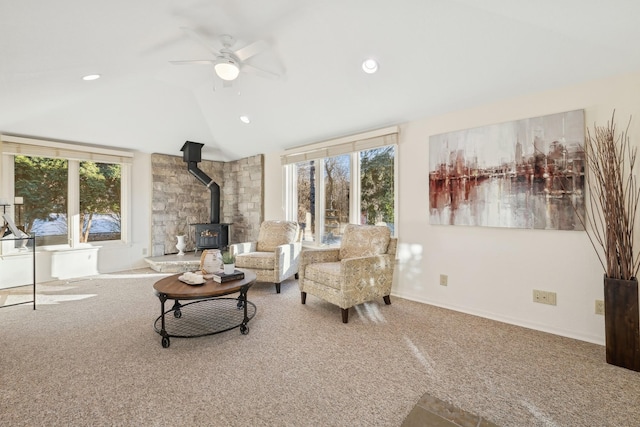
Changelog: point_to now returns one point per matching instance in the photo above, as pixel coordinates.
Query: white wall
(273, 187)
(493, 271)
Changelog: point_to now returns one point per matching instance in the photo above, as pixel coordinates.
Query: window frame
(74, 154)
(291, 193)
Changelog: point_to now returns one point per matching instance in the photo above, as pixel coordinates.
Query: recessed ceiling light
(91, 77)
(370, 66)
(245, 119)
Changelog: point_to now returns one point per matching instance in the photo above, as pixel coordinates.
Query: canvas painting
(527, 173)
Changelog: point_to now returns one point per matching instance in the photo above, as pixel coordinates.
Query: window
(99, 201)
(306, 207)
(71, 194)
(377, 193)
(42, 183)
(337, 184)
(331, 186)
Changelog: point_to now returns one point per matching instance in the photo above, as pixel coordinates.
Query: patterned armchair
(276, 254)
(359, 271)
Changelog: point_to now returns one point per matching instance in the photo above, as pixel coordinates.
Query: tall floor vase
(622, 323)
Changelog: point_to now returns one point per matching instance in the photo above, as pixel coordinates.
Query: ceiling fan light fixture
(370, 65)
(245, 119)
(227, 69)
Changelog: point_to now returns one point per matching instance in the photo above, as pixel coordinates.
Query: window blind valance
(345, 145)
(18, 145)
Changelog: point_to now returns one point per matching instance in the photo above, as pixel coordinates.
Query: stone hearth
(190, 261)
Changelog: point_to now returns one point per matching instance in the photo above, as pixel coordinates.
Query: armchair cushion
(276, 233)
(364, 240)
(256, 260)
(329, 273)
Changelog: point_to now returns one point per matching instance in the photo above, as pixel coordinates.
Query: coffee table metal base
(204, 317)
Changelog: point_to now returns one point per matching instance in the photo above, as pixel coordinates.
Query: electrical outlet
(444, 280)
(537, 296)
(144, 251)
(544, 297)
(599, 306)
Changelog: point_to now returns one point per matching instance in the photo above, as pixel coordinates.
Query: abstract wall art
(522, 174)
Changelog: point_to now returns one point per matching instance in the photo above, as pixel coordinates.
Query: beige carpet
(89, 356)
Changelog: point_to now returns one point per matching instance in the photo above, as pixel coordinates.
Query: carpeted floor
(89, 356)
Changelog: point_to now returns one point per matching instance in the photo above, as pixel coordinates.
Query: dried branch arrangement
(613, 199)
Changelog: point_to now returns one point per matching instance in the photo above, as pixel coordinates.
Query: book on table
(221, 277)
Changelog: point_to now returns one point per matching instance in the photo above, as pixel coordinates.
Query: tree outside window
(99, 201)
(373, 199)
(43, 184)
(337, 182)
(306, 189)
(377, 186)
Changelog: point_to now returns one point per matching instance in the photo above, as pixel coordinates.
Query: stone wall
(179, 199)
(244, 197)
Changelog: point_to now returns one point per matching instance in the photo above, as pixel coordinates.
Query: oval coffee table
(209, 312)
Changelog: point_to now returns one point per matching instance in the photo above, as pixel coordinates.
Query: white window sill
(67, 248)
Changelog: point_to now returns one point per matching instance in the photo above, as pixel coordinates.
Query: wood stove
(211, 236)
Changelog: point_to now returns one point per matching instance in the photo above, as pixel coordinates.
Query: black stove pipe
(192, 154)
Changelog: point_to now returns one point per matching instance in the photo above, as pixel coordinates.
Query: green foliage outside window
(376, 192)
(99, 193)
(43, 182)
(376, 185)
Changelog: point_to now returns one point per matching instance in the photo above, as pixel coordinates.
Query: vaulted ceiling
(435, 56)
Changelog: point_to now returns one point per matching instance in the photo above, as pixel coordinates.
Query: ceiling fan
(229, 63)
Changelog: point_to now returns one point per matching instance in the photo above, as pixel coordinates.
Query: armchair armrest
(242, 248)
(312, 256)
(287, 259)
(372, 271)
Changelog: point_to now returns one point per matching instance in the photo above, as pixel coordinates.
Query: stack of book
(221, 277)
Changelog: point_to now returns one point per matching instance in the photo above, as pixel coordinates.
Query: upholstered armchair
(360, 270)
(276, 254)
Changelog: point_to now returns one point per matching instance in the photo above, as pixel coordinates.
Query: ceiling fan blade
(194, 62)
(259, 72)
(195, 36)
(251, 50)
